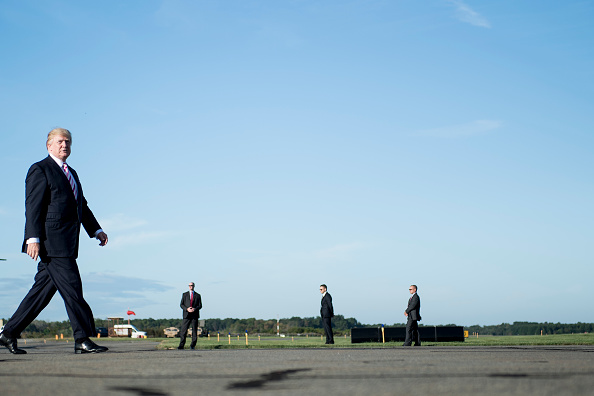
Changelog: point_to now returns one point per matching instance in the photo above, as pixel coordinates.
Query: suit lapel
(60, 176)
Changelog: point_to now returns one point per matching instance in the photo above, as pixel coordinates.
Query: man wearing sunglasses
(327, 312)
(413, 314)
(191, 304)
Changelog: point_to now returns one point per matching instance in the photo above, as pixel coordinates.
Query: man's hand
(405, 313)
(102, 238)
(190, 309)
(33, 250)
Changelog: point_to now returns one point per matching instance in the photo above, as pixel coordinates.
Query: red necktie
(71, 180)
(191, 298)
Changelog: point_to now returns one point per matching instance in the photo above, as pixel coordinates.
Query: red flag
(131, 313)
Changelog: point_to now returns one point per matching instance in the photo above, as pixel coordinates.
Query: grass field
(268, 342)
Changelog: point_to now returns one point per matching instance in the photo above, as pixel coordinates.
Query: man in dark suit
(191, 304)
(413, 314)
(327, 313)
(55, 208)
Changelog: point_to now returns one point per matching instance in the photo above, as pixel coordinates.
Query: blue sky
(261, 148)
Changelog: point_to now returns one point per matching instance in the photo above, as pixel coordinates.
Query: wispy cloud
(107, 293)
(340, 251)
(121, 222)
(124, 230)
(112, 293)
(474, 128)
(177, 14)
(139, 238)
(12, 286)
(466, 14)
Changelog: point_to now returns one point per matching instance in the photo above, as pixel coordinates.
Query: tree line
(532, 328)
(155, 327)
(297, 325)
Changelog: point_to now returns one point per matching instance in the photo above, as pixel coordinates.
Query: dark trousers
(327, 323)
(412, 333)
(61, 274)
(184, 331)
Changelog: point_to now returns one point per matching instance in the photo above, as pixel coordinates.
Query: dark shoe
(180, 347)
(88, 346)
(11, 345)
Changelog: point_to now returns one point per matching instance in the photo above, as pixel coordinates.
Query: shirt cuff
(97, 232)
(32, 240)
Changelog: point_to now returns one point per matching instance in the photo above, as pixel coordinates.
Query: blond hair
(58, 132)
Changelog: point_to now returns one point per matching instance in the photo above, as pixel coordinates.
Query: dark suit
(190, 317)
(54, 215)
(414, 315)
(327, 313)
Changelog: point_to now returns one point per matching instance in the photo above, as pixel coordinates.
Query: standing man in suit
(191, 304)
(55, 208)
(413, 314)
(327, 313)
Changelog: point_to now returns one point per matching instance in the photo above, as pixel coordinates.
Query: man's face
(191, 286)
(412, 290)
(59, 147)
(322, 290)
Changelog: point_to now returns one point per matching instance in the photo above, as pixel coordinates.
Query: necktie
(191, 298)
(71, 180)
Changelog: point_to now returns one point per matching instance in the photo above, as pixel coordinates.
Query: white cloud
(474, 128)
(466, 14)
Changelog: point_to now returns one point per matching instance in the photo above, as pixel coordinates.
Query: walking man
(55, 208)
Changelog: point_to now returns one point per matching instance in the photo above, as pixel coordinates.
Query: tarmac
(138, 368)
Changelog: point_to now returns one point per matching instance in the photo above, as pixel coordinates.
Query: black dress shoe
(11, 345)
(88, 346)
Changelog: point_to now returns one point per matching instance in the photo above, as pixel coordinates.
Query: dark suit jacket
(327, 310)
(414, 307)
(196, 303)
(52, 214)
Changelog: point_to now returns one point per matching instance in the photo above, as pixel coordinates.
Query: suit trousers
(184, 331)
(327, 323)
(61, 274)
(412, 333)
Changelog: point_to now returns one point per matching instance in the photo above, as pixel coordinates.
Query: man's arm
(199, 306)
(182, 304)
(35, 186)
(414, 304)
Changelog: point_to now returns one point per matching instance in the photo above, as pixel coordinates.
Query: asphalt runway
(138, 368)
